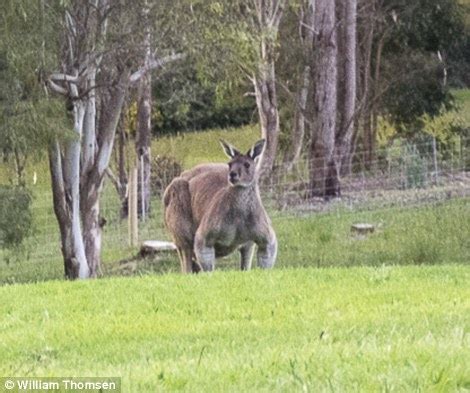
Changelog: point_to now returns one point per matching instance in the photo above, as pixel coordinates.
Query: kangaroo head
(243, 167)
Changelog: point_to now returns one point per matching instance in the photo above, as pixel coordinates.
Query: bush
(164, 170)
(15, 216)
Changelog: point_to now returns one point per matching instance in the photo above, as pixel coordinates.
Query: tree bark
(348, 103)
(366, 112)
(324, 179)
(144, 125)
(269, 14)
(266, 101)
(64, 166)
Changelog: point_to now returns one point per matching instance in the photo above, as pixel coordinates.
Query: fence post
(142, 187)
(132, 206)
(434, 157)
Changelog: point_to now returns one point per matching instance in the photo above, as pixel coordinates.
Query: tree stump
(362, 229)
(152, 247)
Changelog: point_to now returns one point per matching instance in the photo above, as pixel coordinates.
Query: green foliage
(187, 100)
(416, 167)
(286, 330)
(418, 92)
(423, 49)
(15, 216)
(28, 117)
(426, 25)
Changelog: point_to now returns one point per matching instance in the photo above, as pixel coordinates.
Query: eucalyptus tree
(101, 43)
(242, 38)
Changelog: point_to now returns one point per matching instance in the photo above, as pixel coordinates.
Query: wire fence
(403, 176)
(406, 174)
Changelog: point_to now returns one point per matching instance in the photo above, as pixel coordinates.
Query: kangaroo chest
(237, 227)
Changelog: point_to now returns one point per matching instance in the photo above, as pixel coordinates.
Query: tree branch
(56, 88)
(114, 179)
(59, 77)
(136, 76)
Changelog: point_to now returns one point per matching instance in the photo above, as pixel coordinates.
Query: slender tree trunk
(20, 164)
(266, 100)
(143, 142)
(144, 126)
(372, 154)
(298, 134)
(348, 102)
(268, 17)
(122, 172)
(324, 179)
(366, 111)
(307, 27)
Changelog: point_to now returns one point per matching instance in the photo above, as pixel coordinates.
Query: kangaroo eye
(247, 165)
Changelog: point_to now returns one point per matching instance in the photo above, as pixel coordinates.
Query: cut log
(362, 229)
(151, 247)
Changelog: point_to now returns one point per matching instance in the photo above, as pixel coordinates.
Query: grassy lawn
(198, 147)
(359, 329)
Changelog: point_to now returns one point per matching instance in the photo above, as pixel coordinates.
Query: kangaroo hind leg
(179, 221)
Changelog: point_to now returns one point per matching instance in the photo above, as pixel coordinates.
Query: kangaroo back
(178, 215)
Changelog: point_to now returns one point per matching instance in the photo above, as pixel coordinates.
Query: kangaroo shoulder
(178, 188)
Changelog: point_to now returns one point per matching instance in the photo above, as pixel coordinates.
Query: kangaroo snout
(233, 177)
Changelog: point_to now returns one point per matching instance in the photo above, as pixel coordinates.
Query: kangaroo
(214, 209)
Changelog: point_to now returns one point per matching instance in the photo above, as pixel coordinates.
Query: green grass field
(362, 329)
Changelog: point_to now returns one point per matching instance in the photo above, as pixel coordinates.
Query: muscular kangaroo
(214, 209)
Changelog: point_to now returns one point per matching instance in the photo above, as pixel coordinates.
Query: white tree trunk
(144, 123)
(65, 176)
(92, 180)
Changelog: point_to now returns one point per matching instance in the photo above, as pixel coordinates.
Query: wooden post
(142, 187)
(434, 156)
(132, 216)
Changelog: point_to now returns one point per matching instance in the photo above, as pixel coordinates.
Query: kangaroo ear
(257, 149)
(229, 149)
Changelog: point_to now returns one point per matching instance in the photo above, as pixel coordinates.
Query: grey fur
(215, 209)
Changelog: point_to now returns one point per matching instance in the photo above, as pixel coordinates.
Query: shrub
(164, 170)
(15, 216)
